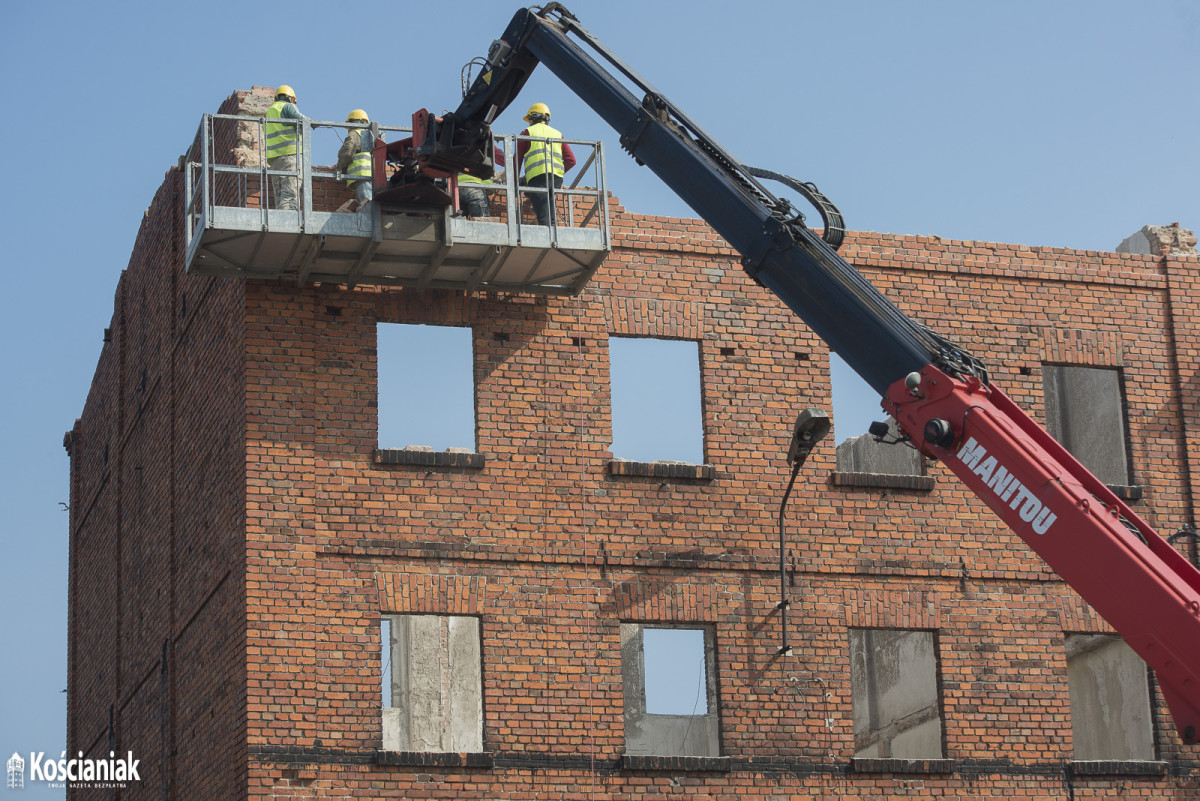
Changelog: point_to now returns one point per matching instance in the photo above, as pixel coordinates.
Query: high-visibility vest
(282, 138)
(541, 154)
(360, 165)
(467, 178)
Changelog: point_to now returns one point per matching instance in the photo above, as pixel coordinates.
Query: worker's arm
(348, 149)
(522, 147)
(568, 157)
(289, 111)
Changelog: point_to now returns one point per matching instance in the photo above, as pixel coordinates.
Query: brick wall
(228, 514)
(552, 553)
(156, 654)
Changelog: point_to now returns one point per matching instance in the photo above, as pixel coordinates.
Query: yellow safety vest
(541, 154)
(360, 165)
(467, 178)
(282, 138)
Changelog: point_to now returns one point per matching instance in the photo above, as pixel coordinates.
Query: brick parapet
(933, 254)
(923, 253)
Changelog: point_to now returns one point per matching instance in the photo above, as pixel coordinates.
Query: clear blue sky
(1036, 122)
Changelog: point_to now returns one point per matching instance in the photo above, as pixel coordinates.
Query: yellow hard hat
(357, 114)
(284, 92)
(540, 109)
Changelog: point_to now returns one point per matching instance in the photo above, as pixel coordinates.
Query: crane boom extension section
(938, 393)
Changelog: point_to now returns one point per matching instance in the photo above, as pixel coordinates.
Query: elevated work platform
(233, 228)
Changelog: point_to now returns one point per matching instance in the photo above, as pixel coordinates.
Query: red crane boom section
(1123, 568)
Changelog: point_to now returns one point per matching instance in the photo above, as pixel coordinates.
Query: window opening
(426, 386)
(675, 677)
(385, 660)
(433, 682)
(894, 687)
(669, 690)
(1110, 699)
(855, 406)
(656, 400)
(1085, 412)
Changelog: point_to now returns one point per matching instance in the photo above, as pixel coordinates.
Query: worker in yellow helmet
(544, 158)
(283, 147)
(356, 159)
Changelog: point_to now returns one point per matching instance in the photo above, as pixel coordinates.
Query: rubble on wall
(1161, 240)
(251, 104)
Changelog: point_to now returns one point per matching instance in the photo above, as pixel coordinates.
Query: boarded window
(894, 682)
(1085, 411)
(426, 386)
(432, 689)
(670, 691)
(1110, 699)
(656, 409)
(855, 407)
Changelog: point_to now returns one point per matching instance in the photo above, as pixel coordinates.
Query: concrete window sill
(434, 759)
(884, 481)
(419, 457)
(892, 765)
(700, 764)
(669, 470)
(1117, 767)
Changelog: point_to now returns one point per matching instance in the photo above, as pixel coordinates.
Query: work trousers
(363, 192)
(285, 188)
(541, 200)
(474, 201)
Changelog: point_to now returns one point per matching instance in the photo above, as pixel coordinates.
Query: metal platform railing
(235, 227)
